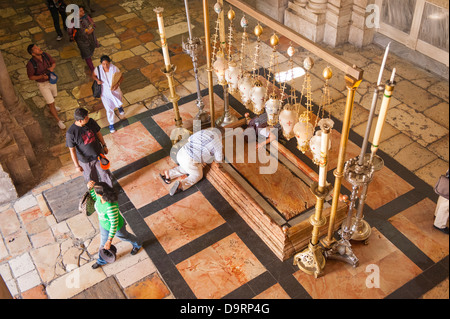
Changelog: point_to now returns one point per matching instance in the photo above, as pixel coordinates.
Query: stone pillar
(8, 193)
(274, 8)
(338, 20)
(317, 6)
(16, 107)
(309, 20)
(359, 33)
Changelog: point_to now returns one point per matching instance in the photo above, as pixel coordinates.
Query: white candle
(381, 119)
(324, 142)
(380, 75)
(393, 76)
(162, 34)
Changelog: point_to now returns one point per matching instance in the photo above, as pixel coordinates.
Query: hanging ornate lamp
(273, 104)
(304, 129)
(289, 116)
(245, 82)
(258, 91)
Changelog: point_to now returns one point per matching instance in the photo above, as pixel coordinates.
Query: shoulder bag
(97, 88)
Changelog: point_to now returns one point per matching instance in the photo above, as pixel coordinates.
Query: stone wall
(20, 134)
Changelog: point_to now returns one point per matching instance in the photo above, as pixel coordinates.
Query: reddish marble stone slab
(221, 268)
(174, 228)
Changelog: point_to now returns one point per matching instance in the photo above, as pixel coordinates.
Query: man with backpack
(39, 68)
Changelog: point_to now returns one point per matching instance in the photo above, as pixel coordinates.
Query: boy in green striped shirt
(111, 221)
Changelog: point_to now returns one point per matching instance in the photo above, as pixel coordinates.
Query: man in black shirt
(86, 143)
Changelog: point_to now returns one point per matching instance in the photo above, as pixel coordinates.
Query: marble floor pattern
(197, 246)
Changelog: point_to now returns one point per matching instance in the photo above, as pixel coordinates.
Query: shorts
(48, 91)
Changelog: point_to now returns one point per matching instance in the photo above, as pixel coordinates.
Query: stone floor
(213, 254)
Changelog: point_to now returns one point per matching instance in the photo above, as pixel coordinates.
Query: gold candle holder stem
(209, 68)
(352, 85)
(168, 69)
(312, 260)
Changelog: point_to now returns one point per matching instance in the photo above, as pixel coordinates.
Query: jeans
(92, 171)
(122, 234)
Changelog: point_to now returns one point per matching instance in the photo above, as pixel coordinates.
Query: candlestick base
(342, 250)
(311, 260)
(226, 119)
(361, 230)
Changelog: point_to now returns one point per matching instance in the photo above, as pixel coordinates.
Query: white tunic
(110, 99)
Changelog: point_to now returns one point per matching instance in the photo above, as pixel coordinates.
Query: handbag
(442, 186)
(87, 204)
(97, 88)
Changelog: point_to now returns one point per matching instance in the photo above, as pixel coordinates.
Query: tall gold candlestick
(312, 260)
(352, 85)
(169, 69)
(209, 68)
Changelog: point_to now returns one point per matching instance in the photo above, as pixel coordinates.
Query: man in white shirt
(202, 147)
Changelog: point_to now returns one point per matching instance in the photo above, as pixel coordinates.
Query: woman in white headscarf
(111, 93)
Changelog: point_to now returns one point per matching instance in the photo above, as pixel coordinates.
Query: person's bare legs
(53, 111)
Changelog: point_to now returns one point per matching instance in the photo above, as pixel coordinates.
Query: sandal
(164, 178)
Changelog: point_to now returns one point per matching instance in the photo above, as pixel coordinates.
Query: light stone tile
(430, 173)
(136, 272)
(125, 17)
(440, 89)
(46, 259)
(80, 226)
(25, 203)
(21, 265)
(141, 94)
(415, 124)
(74, 282)
(439, 114)
(28, 281)
(440, 148)
(414, 156)
(395, 144)
(414, 96)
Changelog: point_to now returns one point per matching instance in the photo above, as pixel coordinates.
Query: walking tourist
(201, 148)
(39, 68)
(86, 145)
(85, 37)
(112, 224)
(110, 77)
(57, 8)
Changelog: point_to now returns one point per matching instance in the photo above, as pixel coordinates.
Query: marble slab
(174, 228)
(221, 268)
(129, 144)
(144, 185)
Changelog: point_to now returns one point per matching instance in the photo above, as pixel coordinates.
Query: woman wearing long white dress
(111, 93)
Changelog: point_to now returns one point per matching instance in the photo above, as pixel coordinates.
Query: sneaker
(96, 265)
(61, 125)
(135, 250)
(175, 188)
(58, 38)
(57, 108)
(112, 129)
(121, 111)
